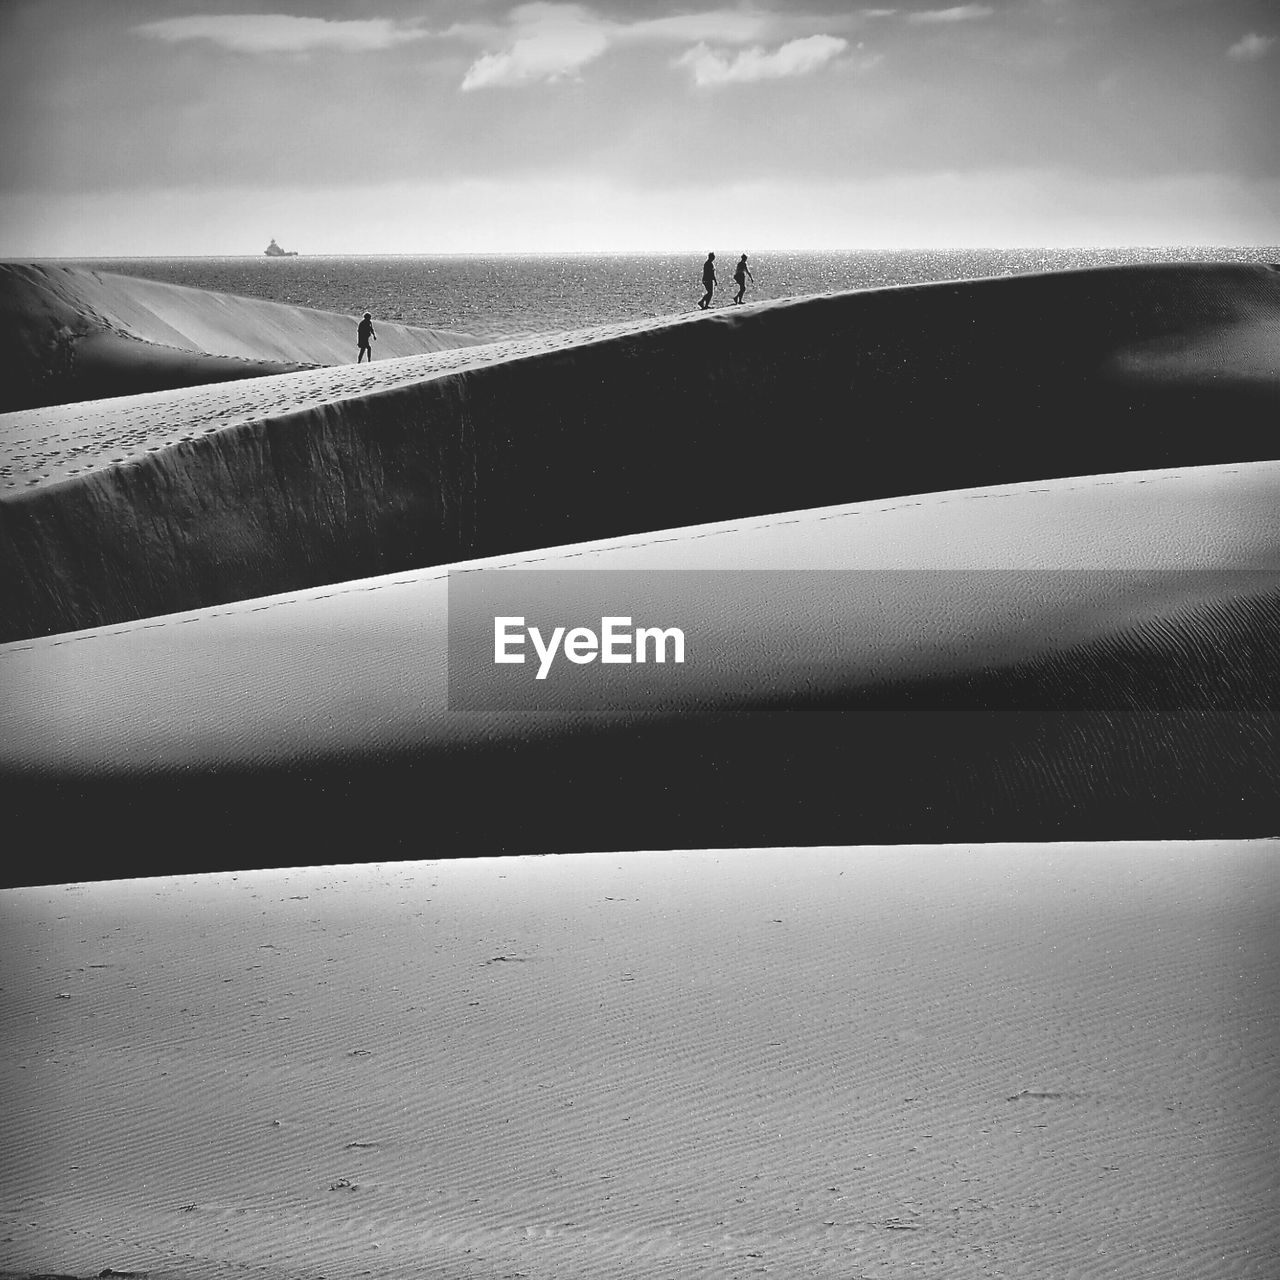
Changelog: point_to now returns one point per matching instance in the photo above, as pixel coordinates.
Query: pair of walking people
(741, 274)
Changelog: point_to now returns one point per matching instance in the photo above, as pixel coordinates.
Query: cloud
(552, 41)
(548, 41)
(961, 13)
(282, 33)
(1251, 47)
(795, 58)
(727, 25)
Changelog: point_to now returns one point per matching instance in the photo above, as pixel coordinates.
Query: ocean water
(488, 295)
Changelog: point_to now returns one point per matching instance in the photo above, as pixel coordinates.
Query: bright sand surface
(1083, 658)
(74, 334)
(1092, 657)
(1144, 565)
(1052, 1061)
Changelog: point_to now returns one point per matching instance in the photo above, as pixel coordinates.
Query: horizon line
(660, 251)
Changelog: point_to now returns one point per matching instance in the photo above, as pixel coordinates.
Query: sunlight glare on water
(513, 295)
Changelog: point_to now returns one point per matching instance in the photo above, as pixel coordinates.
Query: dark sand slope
(69, 334)
(629, 428)
(1090, 658)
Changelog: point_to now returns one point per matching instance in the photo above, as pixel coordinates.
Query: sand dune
(1057, 1061)
(1090, 658)
(974, 563)
(71, 334)
(184, 499)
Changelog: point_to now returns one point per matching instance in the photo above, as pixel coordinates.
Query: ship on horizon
(273, 250)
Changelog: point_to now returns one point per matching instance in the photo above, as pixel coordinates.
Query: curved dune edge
(1122, 684)
(47, 446)
(824, 1062)
(72, 334)
(340, 474)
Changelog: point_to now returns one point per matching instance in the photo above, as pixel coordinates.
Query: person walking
(708, 280)
(742, 273)
(365, 335)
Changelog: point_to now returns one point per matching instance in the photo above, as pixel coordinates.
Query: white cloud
(795, 58)
(552, 41)
(548, 41)
(282, 33)
(1251, 47)
(960, 13)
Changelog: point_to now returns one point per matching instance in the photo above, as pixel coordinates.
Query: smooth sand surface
(124, 510)
(1054, 1061)
(74, 334)
(1095, 657)
(362, 668)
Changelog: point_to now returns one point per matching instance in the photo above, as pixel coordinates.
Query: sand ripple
(825, 1063)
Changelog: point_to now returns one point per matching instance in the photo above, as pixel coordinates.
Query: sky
(155, 127)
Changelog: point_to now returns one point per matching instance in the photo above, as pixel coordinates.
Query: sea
(491, 295)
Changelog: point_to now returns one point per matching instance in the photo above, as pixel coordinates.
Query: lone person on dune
(708, 280)
(741, 273)
(365, 335)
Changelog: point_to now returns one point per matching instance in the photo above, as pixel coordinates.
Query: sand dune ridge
(73, 334)
(782, 406)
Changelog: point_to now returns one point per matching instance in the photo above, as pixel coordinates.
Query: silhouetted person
(742, 273)
(708, 280)
(365, 335)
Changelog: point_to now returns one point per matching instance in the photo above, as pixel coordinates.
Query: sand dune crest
(71, 334)
(344, 474)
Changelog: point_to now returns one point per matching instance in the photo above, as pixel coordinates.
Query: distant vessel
(273, 250)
